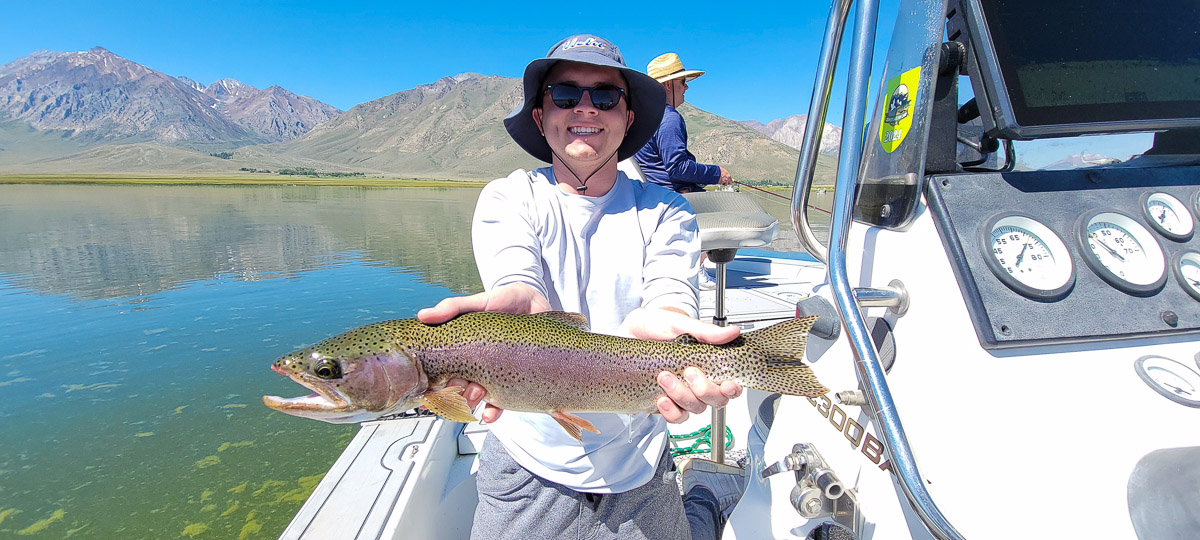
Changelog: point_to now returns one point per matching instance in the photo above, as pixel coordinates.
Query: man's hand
(699, 392)
(516, 298)
(726, 178)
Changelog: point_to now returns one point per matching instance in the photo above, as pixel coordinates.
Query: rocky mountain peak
(446, 85)
(790, 131)
(229, 90)
(105, 62)
(194, 84)
(32, 62)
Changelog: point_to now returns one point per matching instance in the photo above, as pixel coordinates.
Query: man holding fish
(581, 237)
(584, 329)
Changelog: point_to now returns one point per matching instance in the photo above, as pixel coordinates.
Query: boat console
(1043, 335)
(1041, 257)
(1073, 256)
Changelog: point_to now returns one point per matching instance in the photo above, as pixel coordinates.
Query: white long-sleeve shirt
(635, 246)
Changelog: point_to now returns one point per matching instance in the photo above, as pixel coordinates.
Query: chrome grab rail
(894, 297)
(814, 126)
(869, 370)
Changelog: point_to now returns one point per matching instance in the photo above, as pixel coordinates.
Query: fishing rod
(775, 194)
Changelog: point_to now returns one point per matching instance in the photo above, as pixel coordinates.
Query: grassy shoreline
(261, 180)
(212, 180)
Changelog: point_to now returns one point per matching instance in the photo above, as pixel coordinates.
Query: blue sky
(760, 61)
(760, 57)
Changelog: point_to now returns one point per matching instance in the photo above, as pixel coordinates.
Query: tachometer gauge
(1168, 215)
(1027, 256)
(1186, 266)
(1174, 380)
(1122, 251)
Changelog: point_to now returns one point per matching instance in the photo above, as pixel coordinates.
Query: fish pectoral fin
(573, 424)
(448, 403)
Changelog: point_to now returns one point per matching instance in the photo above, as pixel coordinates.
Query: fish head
(355, 377)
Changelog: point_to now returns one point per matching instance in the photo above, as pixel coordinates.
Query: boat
(1011, 353)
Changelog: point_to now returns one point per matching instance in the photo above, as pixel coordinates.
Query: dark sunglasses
(567, 95)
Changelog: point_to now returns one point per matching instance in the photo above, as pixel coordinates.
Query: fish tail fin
(783, 342)
(781, 347)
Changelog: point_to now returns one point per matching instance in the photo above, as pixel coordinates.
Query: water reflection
(95, 242)
(137, 324)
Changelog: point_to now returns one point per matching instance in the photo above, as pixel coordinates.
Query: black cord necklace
(582, 183)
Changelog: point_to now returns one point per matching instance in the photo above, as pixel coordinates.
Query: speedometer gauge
(1173, 380)
(1186, 266)
(1027, 256)
(1168, 215)
(1122, 251)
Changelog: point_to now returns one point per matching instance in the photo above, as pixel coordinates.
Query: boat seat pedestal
(728, 220)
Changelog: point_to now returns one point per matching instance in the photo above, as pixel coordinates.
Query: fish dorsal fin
(448, 403)
(783, 342)
(573, 424)
(575, 320)
(686, 339)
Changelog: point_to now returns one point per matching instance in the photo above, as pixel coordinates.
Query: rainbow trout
(548, 362)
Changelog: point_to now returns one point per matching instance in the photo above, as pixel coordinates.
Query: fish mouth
(322, 400)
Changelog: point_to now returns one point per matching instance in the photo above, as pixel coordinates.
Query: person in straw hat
(665, 159)
(581, 236)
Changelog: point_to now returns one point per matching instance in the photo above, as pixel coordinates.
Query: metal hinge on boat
(818, 491)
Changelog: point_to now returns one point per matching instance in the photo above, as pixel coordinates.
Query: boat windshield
(1079, 62)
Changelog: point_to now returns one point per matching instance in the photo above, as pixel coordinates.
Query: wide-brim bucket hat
(645, 96)
(668, 67)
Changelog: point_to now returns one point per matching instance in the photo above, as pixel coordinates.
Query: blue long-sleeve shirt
(665, 159)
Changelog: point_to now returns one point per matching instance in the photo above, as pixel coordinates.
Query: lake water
(137, 326)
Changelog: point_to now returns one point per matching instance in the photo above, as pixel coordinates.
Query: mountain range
(790, 131)
(95, 96)
(96, 112)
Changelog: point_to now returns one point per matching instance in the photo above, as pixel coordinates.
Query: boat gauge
(1122, 251)
(1027, 256)
(1186, 266)
(1168, 215)
(1174, 380)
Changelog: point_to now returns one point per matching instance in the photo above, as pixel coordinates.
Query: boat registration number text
(859, 437)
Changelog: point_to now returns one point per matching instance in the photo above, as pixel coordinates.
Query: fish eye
(327, 369)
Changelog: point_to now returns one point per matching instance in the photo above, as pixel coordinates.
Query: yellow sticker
(897, 116)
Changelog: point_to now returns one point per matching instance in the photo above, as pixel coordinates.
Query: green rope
(703, 441)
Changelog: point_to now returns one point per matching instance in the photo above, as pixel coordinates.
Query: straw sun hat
(667, 67)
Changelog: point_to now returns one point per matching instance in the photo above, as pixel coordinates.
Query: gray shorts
(513, 503)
